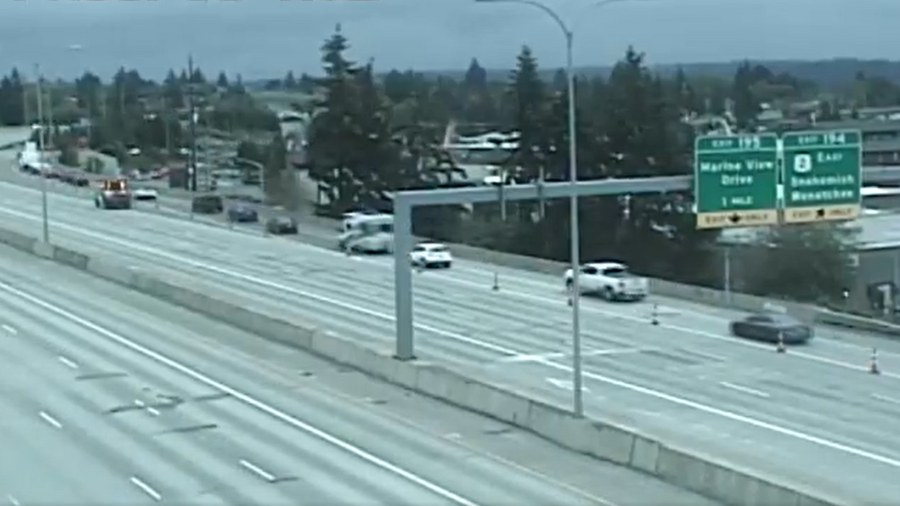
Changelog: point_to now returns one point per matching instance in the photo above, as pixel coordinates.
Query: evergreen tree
(526, 93)
(289, 83)
(474, 94)
(335, 133)
(222, 81)
(12, 99)
(746, 105)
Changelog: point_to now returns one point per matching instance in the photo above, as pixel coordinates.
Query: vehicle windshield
(617, 272)
(438, 249)
(115, 186)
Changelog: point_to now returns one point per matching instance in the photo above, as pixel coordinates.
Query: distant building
(881, 138)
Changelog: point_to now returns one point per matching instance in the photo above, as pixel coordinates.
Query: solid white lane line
(530, 358)
(746, 390)
(68, 362)
(884, 398)
(614, 351)
(153, 411)
(245, 398)
(49, 419)
(9, 328)
(13, 500)
(147, 489)
(262, 473)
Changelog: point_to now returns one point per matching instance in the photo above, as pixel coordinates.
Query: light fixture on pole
(574, 239)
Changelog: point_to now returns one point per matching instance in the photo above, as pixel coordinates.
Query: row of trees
(132, 111)
(369, 137)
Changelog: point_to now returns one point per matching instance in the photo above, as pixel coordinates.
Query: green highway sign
(823, 175)
(735, 180)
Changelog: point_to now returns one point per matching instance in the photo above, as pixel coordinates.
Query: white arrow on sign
(564, 384)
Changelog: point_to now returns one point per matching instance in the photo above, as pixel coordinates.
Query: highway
(812, 414)
(112, 397)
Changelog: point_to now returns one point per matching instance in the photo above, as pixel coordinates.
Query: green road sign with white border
(823, 175)
(735, 180)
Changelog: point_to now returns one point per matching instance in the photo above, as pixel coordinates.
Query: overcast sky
(265, 38)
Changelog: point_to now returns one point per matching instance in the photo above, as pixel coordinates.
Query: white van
(368, 233)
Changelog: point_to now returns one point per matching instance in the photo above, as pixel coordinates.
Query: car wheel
(447, 265)
(608, 294)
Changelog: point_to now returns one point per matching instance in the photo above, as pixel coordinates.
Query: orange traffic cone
(654, 317)
(873, 362)
(780, 348)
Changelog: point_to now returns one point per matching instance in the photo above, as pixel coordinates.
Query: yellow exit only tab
(731, 219)
(821, 213)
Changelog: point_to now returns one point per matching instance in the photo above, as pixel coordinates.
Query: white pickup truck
(611, 280)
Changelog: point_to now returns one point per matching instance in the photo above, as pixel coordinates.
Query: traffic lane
(686, 314)
(783, 441)
(107, 456)
(134, 422)
(282, 464)
(841, 347)
(40, 463)
(430, 456)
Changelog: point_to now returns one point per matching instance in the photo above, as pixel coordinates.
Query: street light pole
(42, 171)
(574, 231)
(192, 107)
(578, 404)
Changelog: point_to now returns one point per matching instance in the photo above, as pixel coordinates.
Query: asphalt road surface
(812, 415)
(112, 397)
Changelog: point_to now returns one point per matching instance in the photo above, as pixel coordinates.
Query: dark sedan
(767, 326)
(242, 213)
(281, 225)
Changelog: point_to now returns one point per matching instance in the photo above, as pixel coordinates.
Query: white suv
(431, 254)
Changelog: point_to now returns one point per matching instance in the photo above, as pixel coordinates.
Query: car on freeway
(241, 212)
(611, 280)
(113, 194)
(280, 225)
(75, 178)
(145, 193)
(431, 254)
(766, 326)
(207, 204)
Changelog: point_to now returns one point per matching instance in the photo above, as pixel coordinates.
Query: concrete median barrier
(883, 328)
(601, 439)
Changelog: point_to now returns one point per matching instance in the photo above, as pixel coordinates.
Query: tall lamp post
(43, 172)
(39, 98)
(578, 405)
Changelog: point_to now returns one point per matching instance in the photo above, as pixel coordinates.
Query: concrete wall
(608, 441)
